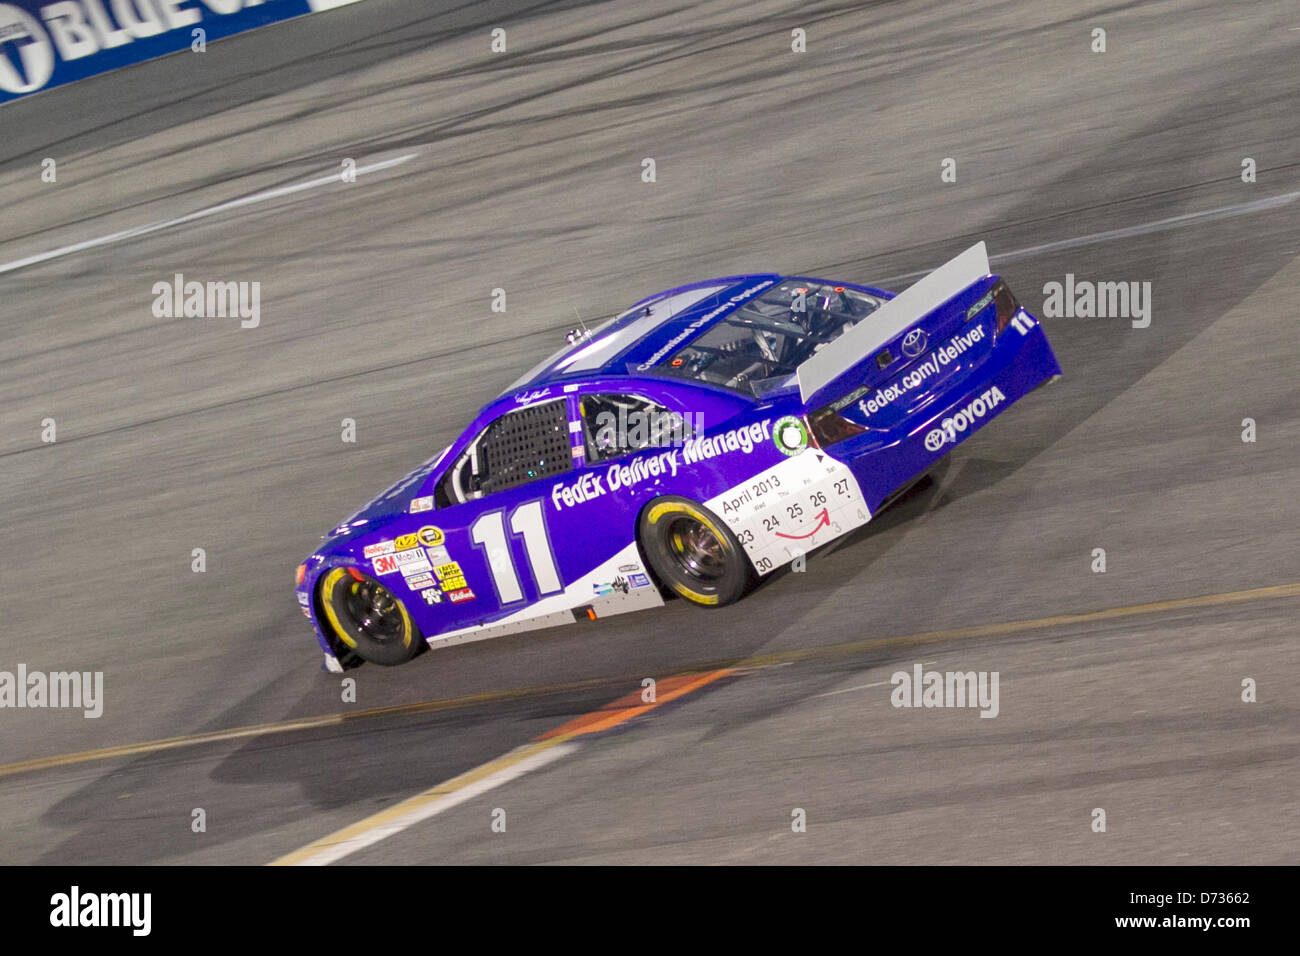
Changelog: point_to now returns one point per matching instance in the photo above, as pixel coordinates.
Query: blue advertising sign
(48, 44)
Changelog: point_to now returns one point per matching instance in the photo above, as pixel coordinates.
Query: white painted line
(1127, 232)
(200, 214)
(454, 796)
(879, 683)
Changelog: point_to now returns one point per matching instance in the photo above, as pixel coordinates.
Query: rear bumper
(1015, 367)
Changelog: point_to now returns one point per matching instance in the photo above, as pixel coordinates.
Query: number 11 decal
(489, 532)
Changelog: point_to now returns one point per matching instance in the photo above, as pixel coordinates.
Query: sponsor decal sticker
(303, 599)
(421, 581)
(412, 562)
(431, 596)
(789, 435)
(640, 469)
(378, 548)
(616, 477)
(943, 355)
(430, 536)
(629, 567)
(458, 597)
(744, 439)
(661, 465)
(449, 570)
(405, 542)
(639, 581)
(423, 503)
(586, 488)
(965, 418)
(385, 564)
(451, 576)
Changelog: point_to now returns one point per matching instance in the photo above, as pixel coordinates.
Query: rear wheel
(693, 553)
(368, 618)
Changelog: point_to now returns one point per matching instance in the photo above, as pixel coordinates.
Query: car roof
(648, 333)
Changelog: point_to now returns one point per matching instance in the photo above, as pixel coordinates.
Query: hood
(393, 501)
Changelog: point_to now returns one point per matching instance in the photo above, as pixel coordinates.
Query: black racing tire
(693, 553)
(365, 617)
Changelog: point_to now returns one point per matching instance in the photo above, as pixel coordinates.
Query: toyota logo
(914, 343)
(935, 439)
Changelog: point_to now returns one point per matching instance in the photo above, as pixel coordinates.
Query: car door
(630, 453)
(487, 541)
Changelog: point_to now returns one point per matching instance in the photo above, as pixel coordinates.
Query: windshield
(758, 347)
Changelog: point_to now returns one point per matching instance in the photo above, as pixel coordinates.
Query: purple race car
(690, 446)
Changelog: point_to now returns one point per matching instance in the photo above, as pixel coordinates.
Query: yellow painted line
(168, 743)
(544, 750)
(824, 652)
(431, 802)
(849, 648)
(304, 723)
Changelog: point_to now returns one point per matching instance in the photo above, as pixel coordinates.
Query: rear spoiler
(892, 319)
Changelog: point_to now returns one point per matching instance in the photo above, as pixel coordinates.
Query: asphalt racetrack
(1120, 691)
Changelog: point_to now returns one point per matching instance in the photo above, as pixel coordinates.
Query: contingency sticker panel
(801, 503)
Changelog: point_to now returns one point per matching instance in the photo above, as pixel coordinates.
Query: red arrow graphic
(822, 522)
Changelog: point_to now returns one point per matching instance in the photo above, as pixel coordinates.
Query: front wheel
(368, 618)
(693, 552)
